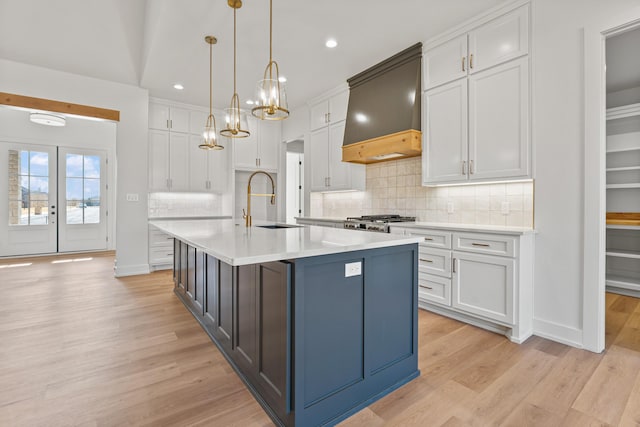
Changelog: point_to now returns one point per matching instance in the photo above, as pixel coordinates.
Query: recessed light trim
(178, 86)
(47, 119)
(331, 43)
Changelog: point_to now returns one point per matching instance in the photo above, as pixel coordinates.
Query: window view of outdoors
(83, 189)
(28, 187)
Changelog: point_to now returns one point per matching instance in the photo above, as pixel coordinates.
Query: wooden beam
(58, 106)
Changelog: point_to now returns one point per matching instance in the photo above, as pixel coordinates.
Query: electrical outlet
(506, 208)
(353, 269)
(450, 207)
(132, 197)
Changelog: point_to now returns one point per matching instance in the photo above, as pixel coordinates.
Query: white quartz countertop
(496, 229)
(231, 242)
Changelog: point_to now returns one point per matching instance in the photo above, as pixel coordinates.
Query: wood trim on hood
(395, 146)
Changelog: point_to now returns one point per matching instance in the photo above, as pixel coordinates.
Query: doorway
(599, 176)
(53, 199)
(295, 180)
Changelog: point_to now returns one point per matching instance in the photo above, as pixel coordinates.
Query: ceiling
(623, 61)
(156, 43)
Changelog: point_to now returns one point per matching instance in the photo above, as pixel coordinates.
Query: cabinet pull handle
(168, 183)
(168, 127)
(471, 168)
(425, 260)
(471, 61)
(464, 58)
(453, 265)
(464, 167)
(483, 245)
(329, 117)
(427, 287)
(428, 239)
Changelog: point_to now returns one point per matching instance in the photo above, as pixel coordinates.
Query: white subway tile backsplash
(395, 187)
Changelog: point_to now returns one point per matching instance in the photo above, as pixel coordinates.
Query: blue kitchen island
(318, 322)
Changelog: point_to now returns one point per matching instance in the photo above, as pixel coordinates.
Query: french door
(52, 199)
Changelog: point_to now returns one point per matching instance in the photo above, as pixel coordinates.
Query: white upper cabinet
(330, 110)
(260, 150)
(445, 133)
(500, 40)
(165, 117)
(269, 139)
(168, 161)
(476, 117)
(498, 121)
(197, 121)
(327, 170)
(327, 123)
(446, 62)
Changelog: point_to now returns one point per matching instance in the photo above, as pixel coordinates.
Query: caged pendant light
(236, 121)
(209, 133)
(271, 97)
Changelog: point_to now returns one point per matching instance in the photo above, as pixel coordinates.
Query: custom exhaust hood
(383, 116)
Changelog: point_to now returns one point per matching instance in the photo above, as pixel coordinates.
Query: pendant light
(236, 121)
(271, 98)
(209, 132)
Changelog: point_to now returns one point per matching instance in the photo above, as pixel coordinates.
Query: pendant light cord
(270, 36)
(234, 51)
(210, 79)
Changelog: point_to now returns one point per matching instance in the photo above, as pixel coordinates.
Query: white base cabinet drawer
(490, 244)
(434, 261)
(434, 289)
(158, 238)
(484, 285)
(431, 238)
(161, 256)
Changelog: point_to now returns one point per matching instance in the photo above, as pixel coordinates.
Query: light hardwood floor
(80, 347)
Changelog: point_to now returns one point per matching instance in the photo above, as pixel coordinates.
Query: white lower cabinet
(484, 285)
(479, 278)
(320, 222)
(160, 250)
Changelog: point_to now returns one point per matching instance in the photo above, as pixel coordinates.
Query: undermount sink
(277, 226)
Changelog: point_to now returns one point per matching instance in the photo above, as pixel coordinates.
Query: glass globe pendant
(271, 98)
(235, 119)
(209, 134)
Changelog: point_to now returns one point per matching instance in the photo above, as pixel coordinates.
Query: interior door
(83, 188)
(27, 199)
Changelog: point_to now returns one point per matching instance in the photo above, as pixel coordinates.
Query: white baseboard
(559, 333)
(130, 270)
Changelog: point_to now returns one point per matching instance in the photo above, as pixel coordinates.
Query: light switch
(353, 269)
(132, 197)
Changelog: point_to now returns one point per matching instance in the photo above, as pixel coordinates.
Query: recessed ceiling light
(282, 79)
(47, 119)
(250, 102)
(178, 86)
(331, 43)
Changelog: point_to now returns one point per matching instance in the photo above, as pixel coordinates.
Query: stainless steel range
(378, 223)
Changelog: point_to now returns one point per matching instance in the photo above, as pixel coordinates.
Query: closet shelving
(623, 199)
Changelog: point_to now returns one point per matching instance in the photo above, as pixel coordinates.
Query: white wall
(558, 137)
(131, 144)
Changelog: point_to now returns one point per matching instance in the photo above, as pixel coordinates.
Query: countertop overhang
(233, 243)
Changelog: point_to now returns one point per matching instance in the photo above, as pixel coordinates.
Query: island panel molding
(43, 104)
